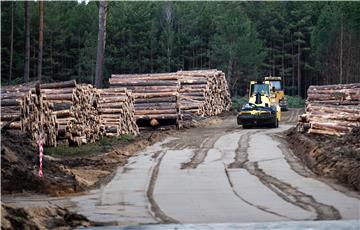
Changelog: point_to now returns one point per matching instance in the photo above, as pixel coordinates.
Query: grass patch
(238, 102)
(295, 102)
(103, 145)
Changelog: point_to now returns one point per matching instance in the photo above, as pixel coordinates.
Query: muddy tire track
(301, 169)
(292, 195)
(290, 116)
(282, 189)
(154, 208)
(248, 202)
(200, 152)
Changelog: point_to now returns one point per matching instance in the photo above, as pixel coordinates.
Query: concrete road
(219, 174)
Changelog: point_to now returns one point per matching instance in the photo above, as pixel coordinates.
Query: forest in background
(304, 42)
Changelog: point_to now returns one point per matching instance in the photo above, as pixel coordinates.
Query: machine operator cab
(259, 93)
(277, 92)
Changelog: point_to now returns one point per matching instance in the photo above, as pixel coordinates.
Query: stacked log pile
(331, 109)
(204, 92)
(38, 119)
(11, 103)
(156, 97)
(75, 108)
(116, 109)
(23, 107)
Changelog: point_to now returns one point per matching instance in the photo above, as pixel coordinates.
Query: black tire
(246, 126)
(275, 124)
(284, 109)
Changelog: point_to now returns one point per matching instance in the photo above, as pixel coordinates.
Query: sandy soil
(331, 157)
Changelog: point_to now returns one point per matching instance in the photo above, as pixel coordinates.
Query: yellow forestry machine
(277, 92)
(261, 108)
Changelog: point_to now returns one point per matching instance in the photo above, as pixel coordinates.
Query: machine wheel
(275, 124)
(284, 109)
(246, 126)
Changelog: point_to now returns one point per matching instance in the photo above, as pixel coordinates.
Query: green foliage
(299, 41)
(126, 138)
(63, 150)
(103, 145)
(295, 102)
(238, 103)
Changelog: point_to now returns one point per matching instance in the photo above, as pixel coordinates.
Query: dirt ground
(65, 176)
(332, 157)
(62, 175)
(40, 218)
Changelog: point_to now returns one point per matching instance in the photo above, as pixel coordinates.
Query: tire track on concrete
(154, 208)
(301, 169)
(246, 201)
(282, 189)
(201, 152)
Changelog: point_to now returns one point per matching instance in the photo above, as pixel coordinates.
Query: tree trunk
(34, 59)
(293, 67)
(341, 50)
(273, 58)
(299, 70)
(101, 44)
(41, 38)
(229, 72)
(51, 55)
(27, 42)
(11, 42)
(348, 70)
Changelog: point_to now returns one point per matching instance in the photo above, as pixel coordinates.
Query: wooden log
(63, 113)
(153, 111)
(157, 116)
(154, 95)
(324, 132)
(63, 84)
(335, 87)
(142, 75)
(10, 117)
(156, 100)
(146, 77)
(141, 83)
(62, 97)
(151, 88)
(10, 102)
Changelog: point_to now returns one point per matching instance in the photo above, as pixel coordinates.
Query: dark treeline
(304, 42)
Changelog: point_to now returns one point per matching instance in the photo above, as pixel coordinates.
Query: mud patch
(333, 157)
(19, 170)
(42, 218)
(282, 189)
(154, 207)
(62, 175)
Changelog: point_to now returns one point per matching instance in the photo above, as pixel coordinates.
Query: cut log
(331, 109)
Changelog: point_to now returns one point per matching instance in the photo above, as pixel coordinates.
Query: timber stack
(12, 99)
(116, 109)
(203, 92)
(156, 98)
(23, 108)
(75, 108)
(331, 109)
